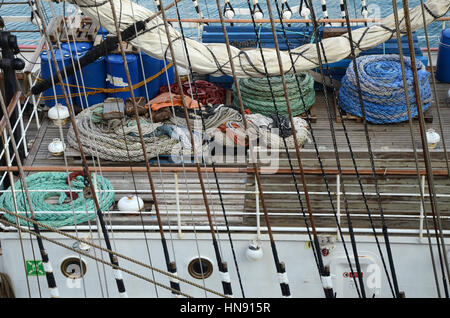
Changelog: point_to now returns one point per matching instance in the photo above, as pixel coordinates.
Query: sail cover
(212, 58)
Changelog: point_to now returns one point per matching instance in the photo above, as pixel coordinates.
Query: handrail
(357, 20)
(383, 172)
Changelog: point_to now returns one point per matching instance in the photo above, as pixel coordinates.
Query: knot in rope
(381, 82)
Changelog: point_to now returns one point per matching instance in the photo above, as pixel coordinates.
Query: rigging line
(114, 266)
(369, 146)
(13, 192)
(226, 283)
(31, 241)
(221, 264)
(328, 291)
(433, 81)
(326, 281)
(351, 153)
(134, 183)
(170, 265)
(98, 234)
(349, 222)
(118, 278)
(60, 128)
(413, 141)
(78, 86)
(129, 259)
(45, 259)
(318, 46)
(280, 267)
(135, 191)
(245, 126)
(434, 206)
(157, 5)
(438, 108)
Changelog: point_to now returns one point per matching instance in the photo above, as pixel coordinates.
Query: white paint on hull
(259, 278)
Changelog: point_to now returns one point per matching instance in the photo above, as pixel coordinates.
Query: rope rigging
(372, 162)
(118, 275)
(321, 48)
(144, 136)
(320, 265)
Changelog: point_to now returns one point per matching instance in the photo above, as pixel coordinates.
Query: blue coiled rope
(382, 89)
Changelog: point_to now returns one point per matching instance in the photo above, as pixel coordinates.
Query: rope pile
(106, 138)
(382, 89)
(207, 92)
(256, 94)
(118, 139)
(61, 213)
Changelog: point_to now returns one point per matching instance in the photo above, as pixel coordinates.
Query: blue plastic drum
(443, 61)
(102, 31)
(116, 76)
(150, 67)
(170, 73)
(77, 47)
(94, 76)
(62, 58)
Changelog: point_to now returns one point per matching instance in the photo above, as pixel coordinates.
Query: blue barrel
(116, 76)
(76, 47)
(62, 58)
(94, 76)
(443, 61)
(102, 31)
(150, 67)
(170, 73)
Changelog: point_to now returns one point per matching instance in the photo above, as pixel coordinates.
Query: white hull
(259, 278)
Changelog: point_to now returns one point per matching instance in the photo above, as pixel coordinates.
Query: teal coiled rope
(60, 214)
(256, 95)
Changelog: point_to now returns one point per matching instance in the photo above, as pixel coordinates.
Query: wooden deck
(391, 145)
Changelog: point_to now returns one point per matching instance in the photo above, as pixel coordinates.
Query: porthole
(73, 267)
(200, 268)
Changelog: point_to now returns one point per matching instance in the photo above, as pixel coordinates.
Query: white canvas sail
(205, 58)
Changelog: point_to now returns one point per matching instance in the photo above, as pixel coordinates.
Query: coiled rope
(382, 89)
(256, 95)
(106, 138)
(55, 184)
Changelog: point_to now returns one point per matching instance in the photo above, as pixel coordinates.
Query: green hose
(256, 94)
(52, 213)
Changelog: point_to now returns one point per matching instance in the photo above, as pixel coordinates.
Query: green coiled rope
(61, 213)
(256, 94)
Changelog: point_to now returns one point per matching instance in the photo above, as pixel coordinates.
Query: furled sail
(213, 58)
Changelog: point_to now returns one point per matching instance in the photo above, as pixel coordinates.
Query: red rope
(207, 92)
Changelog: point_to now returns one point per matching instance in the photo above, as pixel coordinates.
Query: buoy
(254, 252)
(58, 114)
(57, 147)
(131, 204)
(287, 14)
(432, 138)
(259, 15)
(229, 14)
(305, 12)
